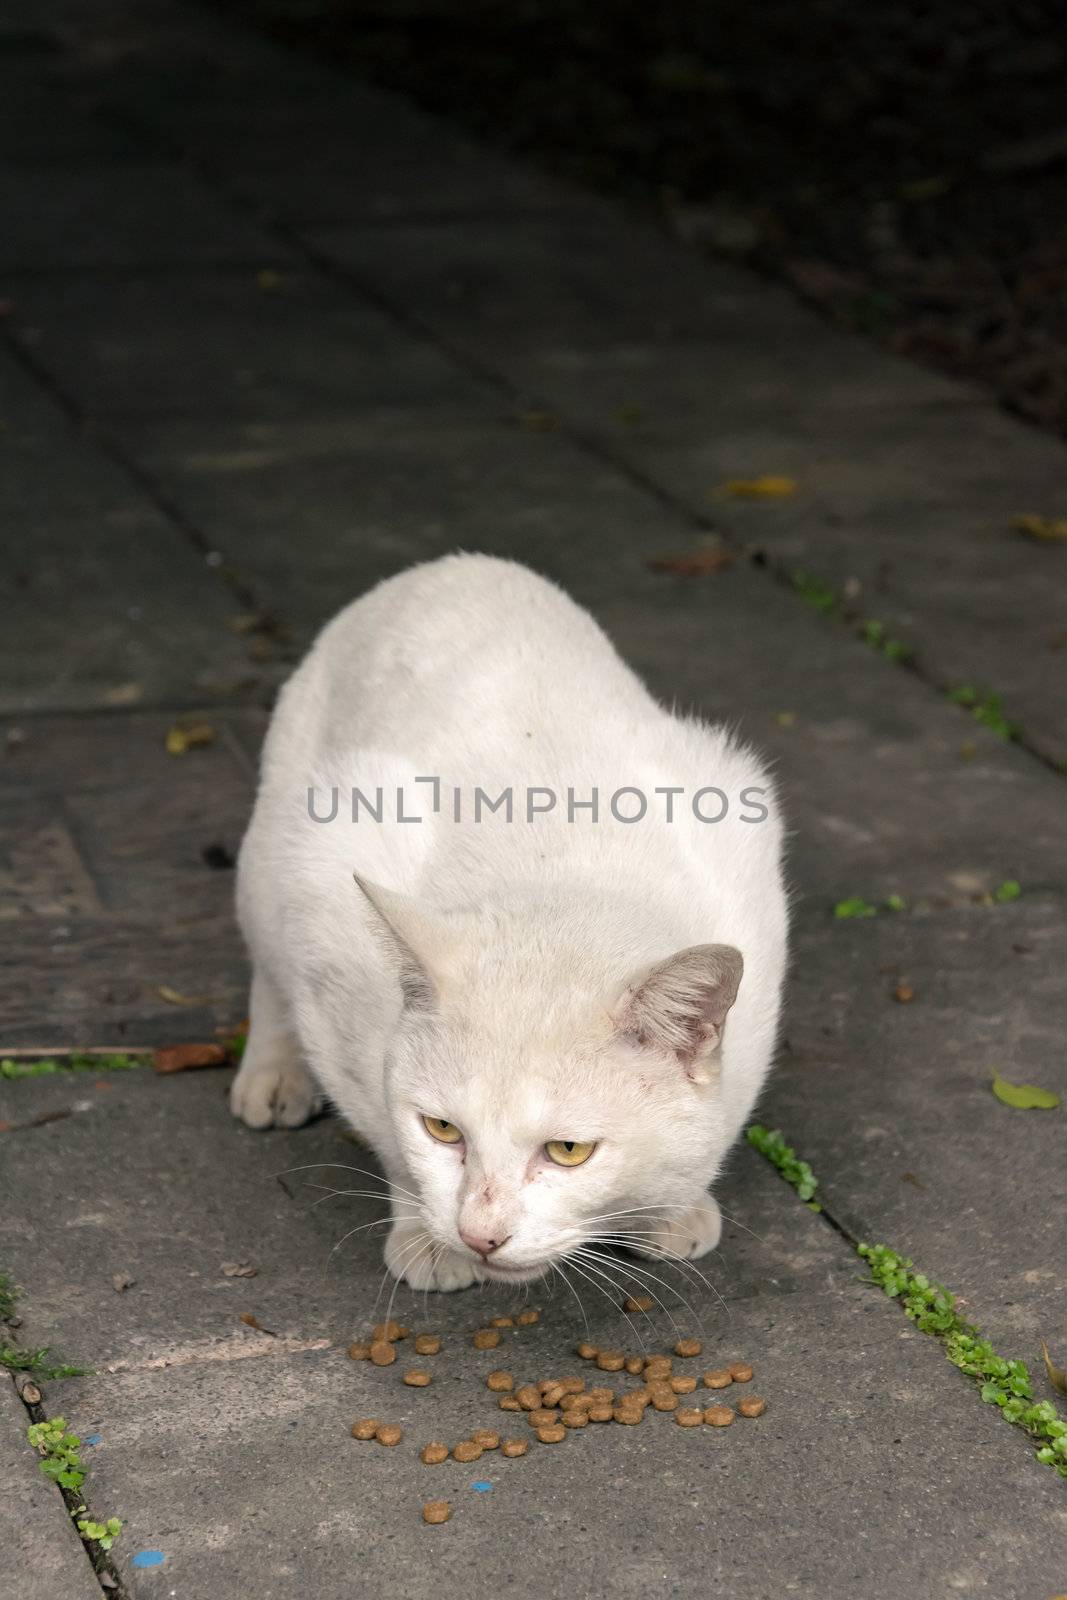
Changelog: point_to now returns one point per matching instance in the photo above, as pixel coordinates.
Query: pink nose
(481, 1247)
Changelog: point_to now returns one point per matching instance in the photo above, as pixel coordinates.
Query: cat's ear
(406, 935)
(679, 1006)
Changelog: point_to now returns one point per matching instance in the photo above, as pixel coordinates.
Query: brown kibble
(487, 1438)
(658, 1366)
(630, 1416)
(466, 1450)
(637, 1302)
(382, 1353)
(389, 1433)
(508, 1402)
(572, 1385)
(500, 1382)
(552, 1395)
(689, 1416)
(682, 1384)
(688, 1347)
(390, 1331)
(588, 1352)
(574, 1402)
(718, 1416)
(904, 993)
(528, 1396)
(555, 1433)
(741, 1372)
(526, 1319)
(576, 1418)
(752, 1406)
(635, 1364)
(486, 1339)
(436, 1511)
(719, 1378)
(514, 1447)
(502, 1322)
(542, 1418)
(601, 1412)
(358, 1352)
(610, 1360)
(417, 1378)
(434, 1453)
(665, 1399)
(601, 1397)
(427, 1344)
(366, 1428)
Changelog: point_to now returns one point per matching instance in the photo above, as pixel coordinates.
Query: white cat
(549, 1028)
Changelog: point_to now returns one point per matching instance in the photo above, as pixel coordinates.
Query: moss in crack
(61, 1461)
(1002, 1382)
(76, 1061)
(985, 708)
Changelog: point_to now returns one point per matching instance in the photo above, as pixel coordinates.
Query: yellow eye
(568, 1152)
(438, 1128)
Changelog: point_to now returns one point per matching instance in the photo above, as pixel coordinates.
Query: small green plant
(854, 906)
(76, 1061)
(895, 902)
(770, 1143)
(61, 1453)
(873, 632)
(36, 1361)
(1003, 1383)
(815, 592)
(984, 708)
(1008, 890)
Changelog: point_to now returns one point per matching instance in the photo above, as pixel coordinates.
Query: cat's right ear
(405, 935)
(679, 1007)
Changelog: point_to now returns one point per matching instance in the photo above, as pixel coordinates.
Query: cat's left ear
(679, 1006)
(408, 938)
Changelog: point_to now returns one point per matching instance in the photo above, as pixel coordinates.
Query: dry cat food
(417, 1378)
(382, 1353)
(658, 1366)
(554, 1434)
(466, 1450)
(718, 1378)
(586, 1351)
(610, 1360)
(526, 1319)
(434, 1453)
(486, 1438)
(552, 1394)
(664, 1397)
(390, 1331)
(502, 1322)
(688, 1347)
(752, 1406)
(637, 1302)
(436, 1511)
(502, 1382)
(741, 1372)
(634, 1365)
(682, 1384)
(486, 1339)
(514, 1447)
(528, 1396)
(576, 1418)
(628, 1415)
(366, 1428)
(542, 1417)
(718, 1416)
(389, 1433)
(689, 1416)
(508, 1402)
(427, 1344)
(359, 1352)
(601, 1411)
(600, 1397)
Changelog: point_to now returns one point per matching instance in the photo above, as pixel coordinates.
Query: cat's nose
(481, 1246)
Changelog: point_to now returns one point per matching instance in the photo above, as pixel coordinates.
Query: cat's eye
(568, 1152)
(445, 1132)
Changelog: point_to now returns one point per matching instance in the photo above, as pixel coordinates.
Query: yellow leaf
(180, 739)
(1056, 1376)
(767, 488)
(174, 997)
(1045, 529)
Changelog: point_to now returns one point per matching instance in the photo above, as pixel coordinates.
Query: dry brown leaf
(1056, 1375)
(765, 488)
(174, 997)
(192, 736)
(180, 1057)
(698, 564)
(239, 1269)
(1045, 529)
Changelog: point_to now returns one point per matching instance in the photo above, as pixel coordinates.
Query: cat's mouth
(528, 1269)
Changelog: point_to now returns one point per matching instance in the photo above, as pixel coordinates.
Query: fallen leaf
(1045, 529)
(904, 993)
(121, 1281)
(192, 737)
(174, 997)
(767, 488)
(1056, 1375)
(253, 1322)
(699, 564)
(180, 1057)
(1024, 1096)
(239, 1269)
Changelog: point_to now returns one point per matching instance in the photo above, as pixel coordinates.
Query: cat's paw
(689, 1235)
(274, 1091)
(413, 1256)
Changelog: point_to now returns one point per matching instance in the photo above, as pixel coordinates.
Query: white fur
(533, 938)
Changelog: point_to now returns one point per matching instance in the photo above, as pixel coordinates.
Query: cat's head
(541, 1100)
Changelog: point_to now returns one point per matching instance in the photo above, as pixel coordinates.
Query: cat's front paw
(274, 1090)
(416, 1258)
(688, 1236)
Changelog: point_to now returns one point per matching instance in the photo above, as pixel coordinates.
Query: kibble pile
(551, 1407)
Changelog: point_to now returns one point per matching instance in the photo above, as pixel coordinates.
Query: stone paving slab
(107, 891)
(41, 1556)
(912, 500)
(918, 1153)
(226, 344)
(101, 586)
